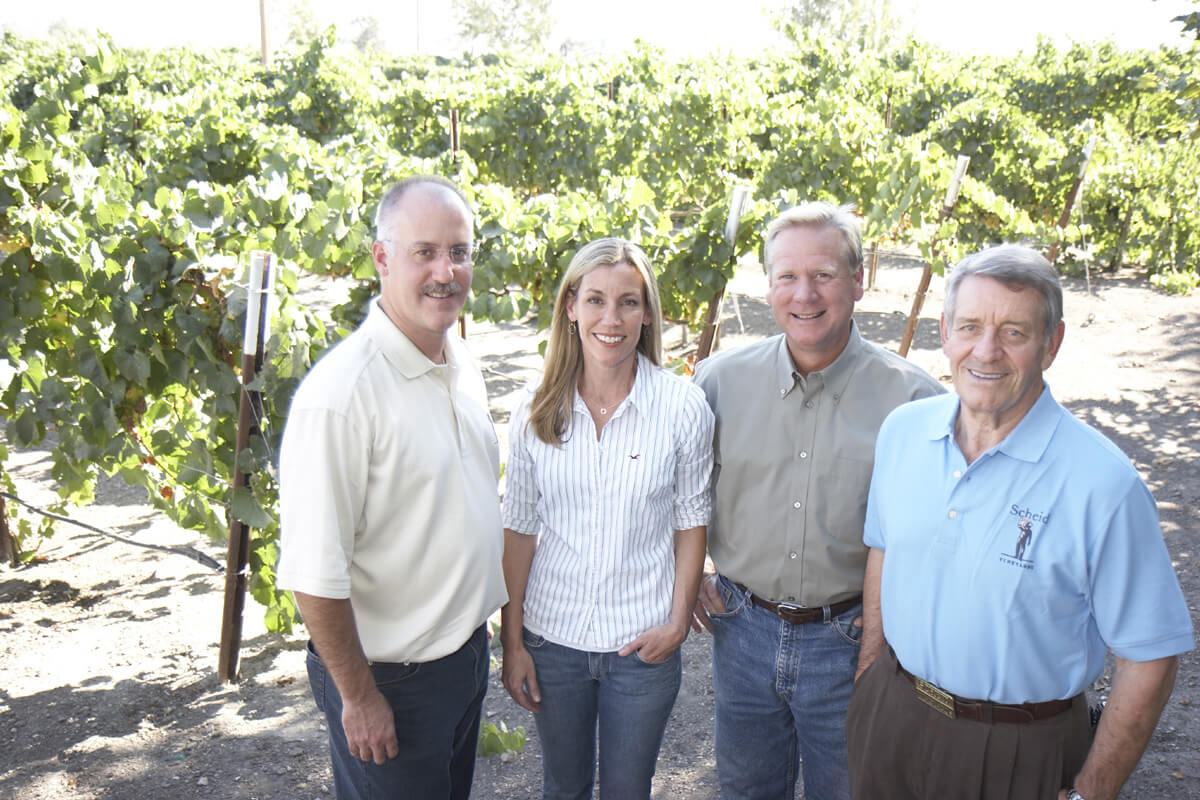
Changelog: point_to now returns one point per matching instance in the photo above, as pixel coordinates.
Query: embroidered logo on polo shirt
(1026, 529)
(1025, 520)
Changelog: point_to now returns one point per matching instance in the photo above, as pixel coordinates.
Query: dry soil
(108, 651)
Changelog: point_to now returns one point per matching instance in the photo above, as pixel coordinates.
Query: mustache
(442, 289)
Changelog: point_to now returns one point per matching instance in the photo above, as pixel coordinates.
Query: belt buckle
(797, 612)
(939, 700)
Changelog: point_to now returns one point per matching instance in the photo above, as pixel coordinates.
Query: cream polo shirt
(388, 493)
(793, 459)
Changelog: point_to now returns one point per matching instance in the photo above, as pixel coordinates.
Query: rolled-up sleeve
(692, 506)
(519, 508)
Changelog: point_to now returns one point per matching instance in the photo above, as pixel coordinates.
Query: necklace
(593, 402)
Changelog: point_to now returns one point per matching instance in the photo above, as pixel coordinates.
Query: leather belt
(956, 707)
(802, 615)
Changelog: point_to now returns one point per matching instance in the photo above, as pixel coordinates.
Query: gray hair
(391, 198)
(817, 214)
(1017, 267)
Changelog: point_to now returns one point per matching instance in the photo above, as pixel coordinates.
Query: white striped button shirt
(606, 510)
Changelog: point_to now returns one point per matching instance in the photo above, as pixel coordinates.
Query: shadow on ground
(150, 737)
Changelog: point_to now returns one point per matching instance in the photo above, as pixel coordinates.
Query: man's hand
(1139, 691)
(708, 601)
(656, 645)
(370, 727)
(367, 717)
(520, 677)
(871, 643)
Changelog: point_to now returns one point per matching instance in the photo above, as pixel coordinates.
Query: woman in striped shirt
(605, 512)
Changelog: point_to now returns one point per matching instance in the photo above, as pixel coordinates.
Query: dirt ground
(108, 651)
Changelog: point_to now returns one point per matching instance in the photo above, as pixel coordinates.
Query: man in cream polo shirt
(391, 534)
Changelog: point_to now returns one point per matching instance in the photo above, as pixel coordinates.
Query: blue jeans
(630, 700)
(437, 706)
(780, 695)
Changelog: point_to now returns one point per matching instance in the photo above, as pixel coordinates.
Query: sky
(679, 26)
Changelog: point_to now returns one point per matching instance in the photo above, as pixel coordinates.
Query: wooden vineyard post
(258, 294)
(1072, 196)
(872, 264)
(462, 318)
(910, 328)
(262, 31)
(417, 25)
(8, 545)
(712, 317)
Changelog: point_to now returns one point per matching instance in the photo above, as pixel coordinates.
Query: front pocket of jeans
(532, 639)
(732, 598)
(316, 676)
(844, 624)
(637, 655)
(390, 674)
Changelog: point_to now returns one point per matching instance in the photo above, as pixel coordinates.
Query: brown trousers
(901, 749)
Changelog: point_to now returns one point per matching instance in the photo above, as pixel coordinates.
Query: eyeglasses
(460, 254)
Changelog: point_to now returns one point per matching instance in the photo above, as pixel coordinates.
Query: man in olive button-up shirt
(797, 416)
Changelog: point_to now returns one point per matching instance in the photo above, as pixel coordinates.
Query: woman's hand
(520, 677)
(657, 644)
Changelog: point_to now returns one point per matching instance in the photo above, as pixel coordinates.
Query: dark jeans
(437, 706)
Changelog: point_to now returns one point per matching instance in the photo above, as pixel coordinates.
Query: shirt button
(791, 555)
(797, 504)
(953, 513)
(782, 392)
(803, 454)
(809, 404)
(958, 473)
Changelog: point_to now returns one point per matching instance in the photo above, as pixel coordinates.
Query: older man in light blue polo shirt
(1010, 545)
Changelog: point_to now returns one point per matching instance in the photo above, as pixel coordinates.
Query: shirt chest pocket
(843, 496)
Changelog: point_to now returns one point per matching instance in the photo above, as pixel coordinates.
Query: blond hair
(819, 214)
(554, 400)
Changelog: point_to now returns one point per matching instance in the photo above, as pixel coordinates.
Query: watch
(1074, 795)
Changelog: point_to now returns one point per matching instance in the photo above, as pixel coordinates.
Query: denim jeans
(437, 706)
(780, 694)
(628, 698)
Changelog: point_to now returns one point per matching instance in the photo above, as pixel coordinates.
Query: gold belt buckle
(939, 700)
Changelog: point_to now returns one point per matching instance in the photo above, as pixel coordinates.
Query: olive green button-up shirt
(792, 464)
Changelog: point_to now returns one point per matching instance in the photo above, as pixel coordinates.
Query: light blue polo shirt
(1005, 580)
